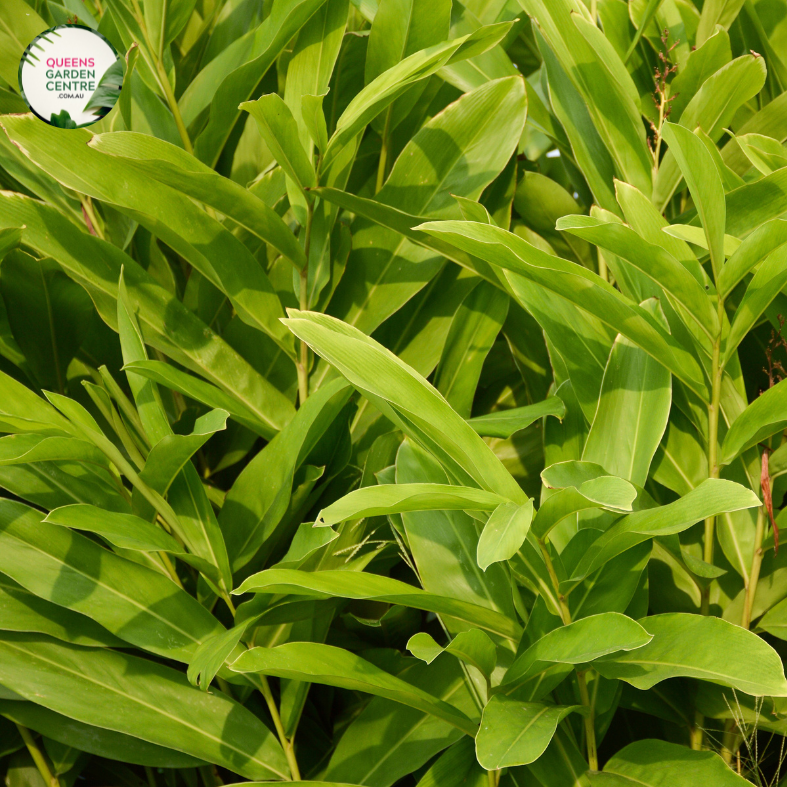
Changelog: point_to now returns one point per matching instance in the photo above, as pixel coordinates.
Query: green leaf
(385, 499)
(426, 176)
(632, 414)
(592, 481)
(765, 153)
(173, 451)
(765, 416)
(197, 389)
(311, 64)
(656, 263)
(400, 393)
(701, 63)
(333, 666)
(211, 655)
(574, 283)
(457, 765)
(473, 331)
(435, 538)
(402, 28)
(388, 740)
(717, 13)
(167, 213)
(732, 657)
(604, 492)
(473, 647)
(171, 165)
(19, 449)
(164, 19)
(259, 498)
(391, 84)
(280, 132)
(584, 640)
(94, 740)
(577, 125)
(651, 763)
(754, 204)
(517, 733)
(504, 423)
(314, 120)
(353, 584)
(125, 96)
(107, 92)
(696, 235)
(764, 286)
(755, 247)
(712, 109)
(713, 496)
(232, 77)
(603, 82)
(123, 530)
(135, 603)
(503, 534)
(159, 705)
(166, 324)
(19, 25)
(22, 411)
(705, 186)
(21, 610)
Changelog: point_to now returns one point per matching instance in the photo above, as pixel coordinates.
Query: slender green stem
(172, 102)
(603, 271)
(491, 777)
(714, 407)
(697, 731)
(565, 614)
(286, 744)
(590, 722)
(38, 756)
(754, 573)
(303, 361)
(732, 737)
(165, 559)
(713, 447)
(91, 218)
(163, 78)
(382, 165)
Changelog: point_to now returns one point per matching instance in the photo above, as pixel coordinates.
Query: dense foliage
(392, 395)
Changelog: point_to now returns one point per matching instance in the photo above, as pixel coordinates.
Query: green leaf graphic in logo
(106, 94)
(62, 119)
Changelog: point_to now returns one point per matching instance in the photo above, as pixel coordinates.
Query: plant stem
(732, 737)
(565, 614)
(287, 745)
(713, 472)
(303, 362)
(173, 105)
(91, 219)
(590, 725)
(713, 466)
(163, 78)
(383, 163)
(38, 756)
(754, 573)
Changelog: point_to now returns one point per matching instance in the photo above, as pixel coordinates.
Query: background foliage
(392, 395)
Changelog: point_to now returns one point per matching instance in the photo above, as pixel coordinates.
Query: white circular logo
(70, 76)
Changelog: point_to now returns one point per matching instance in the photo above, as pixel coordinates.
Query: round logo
(70, 76)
